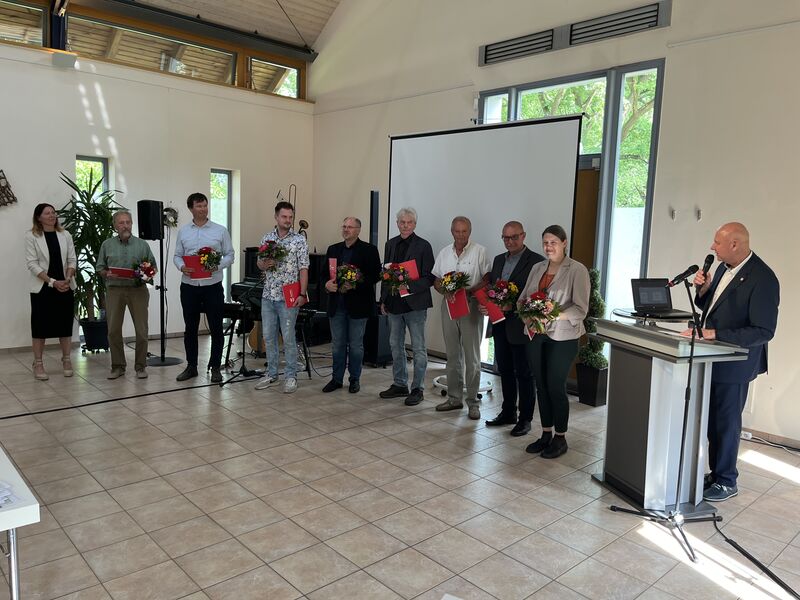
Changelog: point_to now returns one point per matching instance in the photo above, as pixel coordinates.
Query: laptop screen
(651, 294)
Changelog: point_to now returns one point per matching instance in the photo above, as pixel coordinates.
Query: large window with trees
(91, 169)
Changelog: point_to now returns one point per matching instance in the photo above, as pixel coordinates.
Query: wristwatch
(51, 282)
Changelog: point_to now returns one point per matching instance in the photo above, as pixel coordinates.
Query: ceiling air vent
(621, 23)
(526, 45)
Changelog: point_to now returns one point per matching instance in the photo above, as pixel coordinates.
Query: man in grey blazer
(516, 378)
(408, 311)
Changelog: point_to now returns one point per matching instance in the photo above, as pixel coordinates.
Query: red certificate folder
(413, 274)
(332, 269)
(121, 272)
(458, 307)
(291, 292)
(193, 262)
(495, 314)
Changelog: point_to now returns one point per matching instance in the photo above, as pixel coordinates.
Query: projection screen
(522, 171)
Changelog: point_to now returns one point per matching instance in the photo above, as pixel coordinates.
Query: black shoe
(718, 492)
(500, 420)
(557, 447)
(521, 428)
(415, 397)
(187, 373)
(394, 391)
(540, 444)
(354, 387)
(216, 375)
(331, 386)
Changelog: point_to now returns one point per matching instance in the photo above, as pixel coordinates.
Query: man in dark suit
(740, 306)
(408, 311)
(516, 378)
(350, 304)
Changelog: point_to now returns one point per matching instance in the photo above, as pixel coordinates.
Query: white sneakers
(265, 382)
(289, 385)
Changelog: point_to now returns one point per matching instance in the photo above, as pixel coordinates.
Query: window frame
(106, 185)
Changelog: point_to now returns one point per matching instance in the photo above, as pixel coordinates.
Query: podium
(648, 371)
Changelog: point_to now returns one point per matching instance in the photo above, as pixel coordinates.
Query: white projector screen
(522, 171)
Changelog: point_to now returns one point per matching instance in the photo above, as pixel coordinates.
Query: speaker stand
(162, 360)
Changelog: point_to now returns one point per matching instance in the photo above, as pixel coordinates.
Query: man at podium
(739, 305)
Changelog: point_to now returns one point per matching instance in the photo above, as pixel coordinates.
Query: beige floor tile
(765, 524)
(313, 568)
(223, 450)
(413, 489)
(44, 547)
(56, 578)
(529, 512)
(97, 592)
(578, 534)
(547, 556)
(505, 578)
(495, 530)
(175, 461)
(687, 583)
(165, 582)
(47, 522)
(125, 557)
(196, 478)
(103, 531)
(454, 550)
(457, 587)
(411, 525)
(261, 441)
(340, 486)
(310, 469)
(217, 497)
(517, 480)
(246, 517)
(556, 591)
(285, 454)
(414, 461)
(350, 458)
(277, 540)
(66, 489)
(164, 513)
(373, 504)
(28, 459)
(85, 508)
(449, 476)
(54, 470)
(296, 500)
(451, 508)
(328, 521)
(486, 493)
(219, 562)
(560, 498)
(189, 536)
(643, 564)
(268, 482)
(258, 584)
(143, 492)
(379, 473)
(788, 560)
(92, 445)
(357, 585)
(128, 473)
(240, 466)
(384, 447)
(409, 573)
(365, 545)
(107, 458)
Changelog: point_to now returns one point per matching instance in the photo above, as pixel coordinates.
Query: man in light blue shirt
(202, 295)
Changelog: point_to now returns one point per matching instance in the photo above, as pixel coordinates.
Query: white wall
(728, 132)
(162, 135)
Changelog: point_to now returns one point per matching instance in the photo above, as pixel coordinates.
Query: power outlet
(746, 435)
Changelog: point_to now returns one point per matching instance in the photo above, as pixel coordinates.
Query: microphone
(685, 275)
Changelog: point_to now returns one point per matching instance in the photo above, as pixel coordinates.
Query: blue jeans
(415, 321)
(275, 316)
(348, 345)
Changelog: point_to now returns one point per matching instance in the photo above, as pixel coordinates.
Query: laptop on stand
(652, 298)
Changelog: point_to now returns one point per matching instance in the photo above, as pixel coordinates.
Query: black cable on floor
(758, 563)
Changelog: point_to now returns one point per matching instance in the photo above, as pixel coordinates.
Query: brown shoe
(448, 405)
(116, 373)
(474, 413)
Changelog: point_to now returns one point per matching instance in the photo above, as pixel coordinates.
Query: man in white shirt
(462, 337)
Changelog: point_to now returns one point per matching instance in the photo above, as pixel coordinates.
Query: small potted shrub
(592, 366)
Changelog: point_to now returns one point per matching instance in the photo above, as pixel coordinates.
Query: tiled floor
(240, 494)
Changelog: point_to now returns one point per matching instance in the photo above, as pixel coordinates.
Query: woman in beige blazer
(551, 354)
(51, 259)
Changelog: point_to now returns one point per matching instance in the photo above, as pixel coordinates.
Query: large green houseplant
(592, 365)
(89, 218)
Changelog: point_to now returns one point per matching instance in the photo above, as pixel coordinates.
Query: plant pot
(592, 385)
(95, 334)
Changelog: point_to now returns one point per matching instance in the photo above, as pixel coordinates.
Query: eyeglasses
(350, 227)
(512, 238)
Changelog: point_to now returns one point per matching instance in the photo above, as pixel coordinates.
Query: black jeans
(516, 379)
(550, 362)
(208, 299)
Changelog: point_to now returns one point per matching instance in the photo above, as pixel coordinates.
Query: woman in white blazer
(551, 354)
(51, 259)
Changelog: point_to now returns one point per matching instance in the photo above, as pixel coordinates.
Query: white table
(24, 510)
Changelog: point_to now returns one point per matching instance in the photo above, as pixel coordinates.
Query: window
(97, 39)
(91, 168)
(495, 109)
(219, 211)
(273, 78)
(21, 24)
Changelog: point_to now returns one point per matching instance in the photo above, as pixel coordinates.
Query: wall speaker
(151, 219)
(374, 205)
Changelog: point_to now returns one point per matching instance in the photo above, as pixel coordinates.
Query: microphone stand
(243, 370)
(162, 360)
(676, 517)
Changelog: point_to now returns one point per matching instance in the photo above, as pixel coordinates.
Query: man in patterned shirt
(275, 314)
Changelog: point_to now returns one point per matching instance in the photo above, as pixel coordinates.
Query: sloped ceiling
(263, 16)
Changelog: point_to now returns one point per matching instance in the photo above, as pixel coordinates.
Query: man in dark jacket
(516, 378)
(740, 306)
(408, 311)
(350, 304)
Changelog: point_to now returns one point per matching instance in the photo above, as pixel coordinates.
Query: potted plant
(88, 216)
(592, 366)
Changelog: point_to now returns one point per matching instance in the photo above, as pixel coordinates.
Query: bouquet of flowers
(351, 274)
(537, 311)
(209, 258)
(454, 281)
(272, 250)
(503, 293)
(395, 275)
(144, 271)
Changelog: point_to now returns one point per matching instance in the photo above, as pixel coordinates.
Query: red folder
(413, 274)
(291, 292)
(121, 272)
(495, 314)
(193, 262)
(332, 268)
(459, 306)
